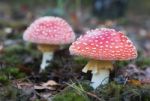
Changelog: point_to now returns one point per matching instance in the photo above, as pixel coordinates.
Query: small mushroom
(102, 47)
(49, 33)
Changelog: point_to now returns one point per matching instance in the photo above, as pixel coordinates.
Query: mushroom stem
(100, 78)
(100, 71)
(48, 51)
(47, 57)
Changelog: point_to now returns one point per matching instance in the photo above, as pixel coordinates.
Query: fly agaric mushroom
(49, 32)
(102, 46)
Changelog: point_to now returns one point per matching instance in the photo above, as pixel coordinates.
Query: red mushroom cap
(49, 30)
(104, 44)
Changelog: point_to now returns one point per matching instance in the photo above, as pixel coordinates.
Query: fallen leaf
(135, 82)
(50, 83)
(39, 87)
(21, 84)
(27, 87)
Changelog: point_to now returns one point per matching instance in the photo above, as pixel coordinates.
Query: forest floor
(63, 79)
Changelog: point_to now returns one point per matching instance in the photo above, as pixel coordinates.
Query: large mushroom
(102, 47)
(49, 33)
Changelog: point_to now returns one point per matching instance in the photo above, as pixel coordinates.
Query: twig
(93, 95)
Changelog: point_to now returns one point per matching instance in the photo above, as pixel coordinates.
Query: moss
(14, 72)
(7, 93)
(16, 49)
(70, 96)
(10, 93)
(143, 62)
(80, 60)
(110, 91)
(16, 54)
(4, 79)
(75, 92)
(12, 60)
(120, 64)
(11, 54)
(9, 73)
(86, 86)
(117, 92)
(136, 93)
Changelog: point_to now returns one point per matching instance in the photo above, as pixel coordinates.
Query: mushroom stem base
(100, 71)
(100, 78)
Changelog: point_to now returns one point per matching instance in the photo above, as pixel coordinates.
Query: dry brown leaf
(38, 87)
(50, 83)
(22, 84)
(135, 82)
